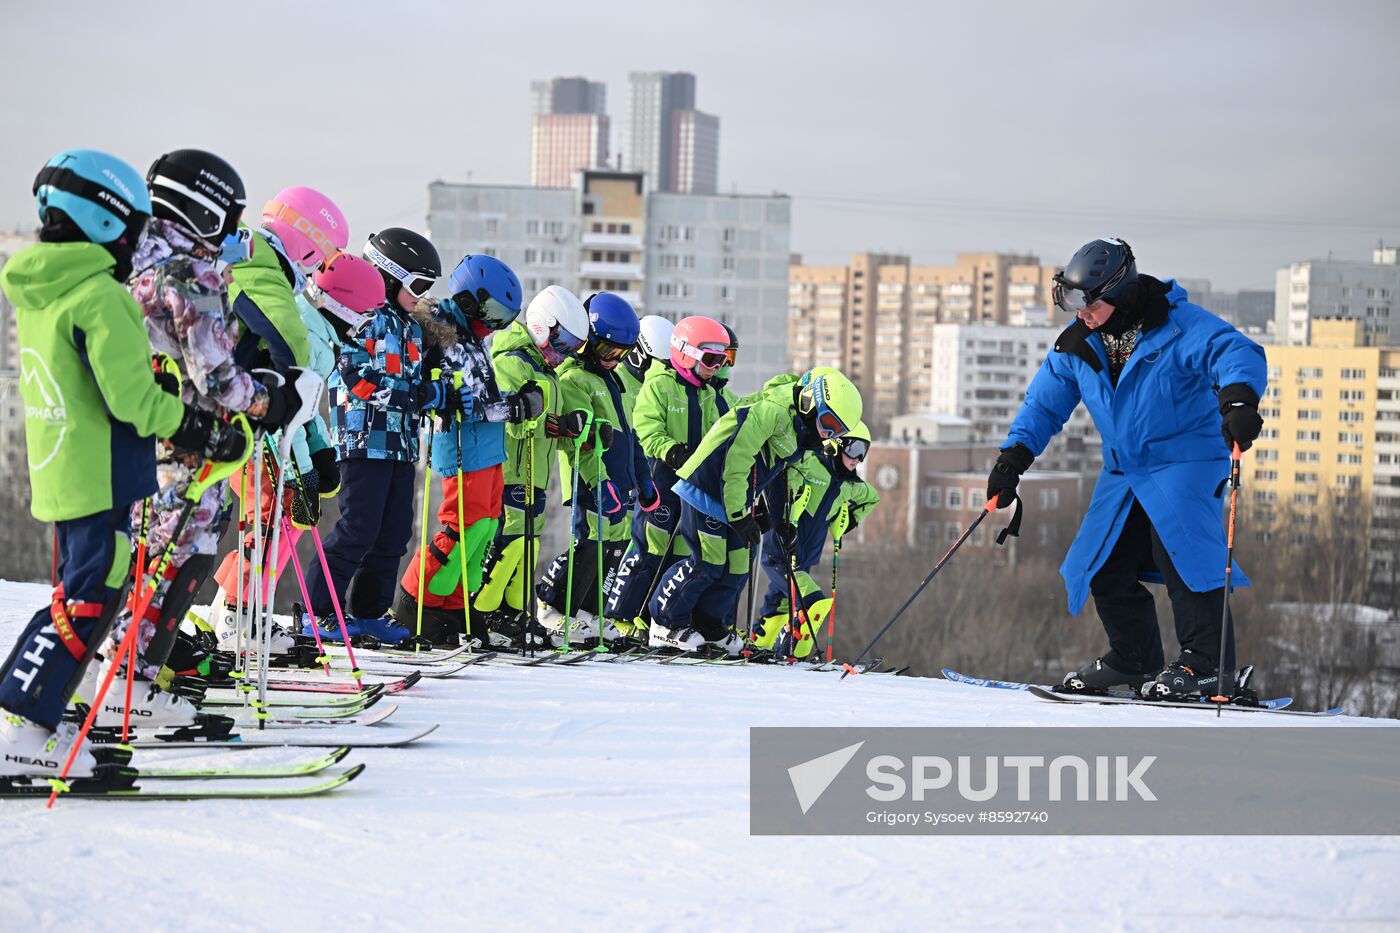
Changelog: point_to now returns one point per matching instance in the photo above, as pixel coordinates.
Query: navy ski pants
(369, 540)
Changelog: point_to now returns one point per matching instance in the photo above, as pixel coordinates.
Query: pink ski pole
(335, 601)
(321, 655)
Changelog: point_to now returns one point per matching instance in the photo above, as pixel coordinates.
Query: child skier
(377, 394)
(676, 406)
(526, 356)
(607, 484)
(719, 486)
(92, 405)
(470, 448)
(180, 285)
(339, 299)
(838, 501)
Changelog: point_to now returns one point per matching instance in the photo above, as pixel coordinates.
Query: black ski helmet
(404, 258)
(197, 190)
(1101, 270)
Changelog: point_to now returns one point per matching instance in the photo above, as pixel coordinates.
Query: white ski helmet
(558, 323)
(655, 340)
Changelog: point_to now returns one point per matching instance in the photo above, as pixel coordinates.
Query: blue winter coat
(1161, 435)
(481, 435)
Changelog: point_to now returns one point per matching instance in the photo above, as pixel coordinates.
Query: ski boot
(581, 627)
(198, 656)
(1189, 677)
(1098, 677)
(223, 618)
(685, 639)
(442, 628)
(511, 630)
(27, 749)
(732, 644)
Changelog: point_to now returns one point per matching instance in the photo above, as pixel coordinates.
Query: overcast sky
(1221, 139)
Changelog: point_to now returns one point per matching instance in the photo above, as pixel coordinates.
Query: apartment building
(1328, 289)
(569, 129)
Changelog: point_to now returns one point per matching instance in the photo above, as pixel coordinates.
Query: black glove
(527, 404)
(283, 402)
(1006, 474)
(201, 433)
(786, 533)
(306, 501)
(327, 472)
(605, 433)
(168, 382)
(1240, 422)
(677, 455)
(565, 426)
(746, 527)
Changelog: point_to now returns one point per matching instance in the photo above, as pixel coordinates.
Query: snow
(603, 796)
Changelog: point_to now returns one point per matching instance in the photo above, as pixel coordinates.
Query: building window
(624, 228)
(491, 226)
(955, 498)
(1309, 394)
(1309, 414)
(1352, 417)
(1049, 499)
(1265, 476)
(976, 498)
(1310, 436)
(952, 530)
(1305, 477)
(1307, 456)
(933, 497)
(1353, 395)
(1353, 374)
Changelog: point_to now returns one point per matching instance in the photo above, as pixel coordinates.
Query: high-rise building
(612, 255)
(1333, 288)
(725, 256)
(568, 130)
(10, 243)
(676, 146)
(884, 314)
(694, 152)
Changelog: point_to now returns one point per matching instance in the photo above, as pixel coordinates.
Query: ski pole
(462, 520)
(835, 564)
(322, 656)
(753, 564)
(355, 671)
(206, 476)
(139, 587)
(575, 465)
(1234, 482)
(967, 533)
(661, 567)
(598, 468)
(528, 558)
(427, 490)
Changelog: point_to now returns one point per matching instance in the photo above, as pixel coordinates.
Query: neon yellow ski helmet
(832, 402)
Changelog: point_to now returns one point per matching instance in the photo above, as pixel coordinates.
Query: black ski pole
(661, 568)
(1234, 481)
(967, 533)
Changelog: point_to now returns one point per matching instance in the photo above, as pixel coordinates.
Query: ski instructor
(1171, 388)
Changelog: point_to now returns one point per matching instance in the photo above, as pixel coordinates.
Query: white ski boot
(29, 749)
(732, 643)
(581, 627)
(223, 618)
(151, 707)
(686, 639)
(608, 631)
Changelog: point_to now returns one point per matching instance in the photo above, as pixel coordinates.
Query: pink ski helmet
(312, 229)
(699, 339)
(346, 289)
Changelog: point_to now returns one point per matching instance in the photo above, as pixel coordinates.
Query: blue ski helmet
(486, 290)
(103, 195)
(613, 325)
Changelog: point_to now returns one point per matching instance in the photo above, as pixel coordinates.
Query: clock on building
(887, 476)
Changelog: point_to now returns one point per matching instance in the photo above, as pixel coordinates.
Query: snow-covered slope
(616, 796)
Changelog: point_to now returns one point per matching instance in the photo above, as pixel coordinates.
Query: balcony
(612, 240)
(610, 270)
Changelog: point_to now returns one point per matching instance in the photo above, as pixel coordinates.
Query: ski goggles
(236, 247)
(416, 283)
(482, 307)
(730, 355)
(709, 355)
(560, 346)
(828, 423)
(856, 448)
(1072, 299)
(206, 216)
(607, 351)
(319, 238)
(323, 302)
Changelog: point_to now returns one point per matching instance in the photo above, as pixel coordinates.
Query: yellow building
(1331, 423)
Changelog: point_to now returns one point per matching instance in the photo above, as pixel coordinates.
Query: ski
(1265, 706)
(320, 721)
(954, 676)
(292, 769)
(353, 702)
(397, 685)
(96, 790)
(310, 738)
